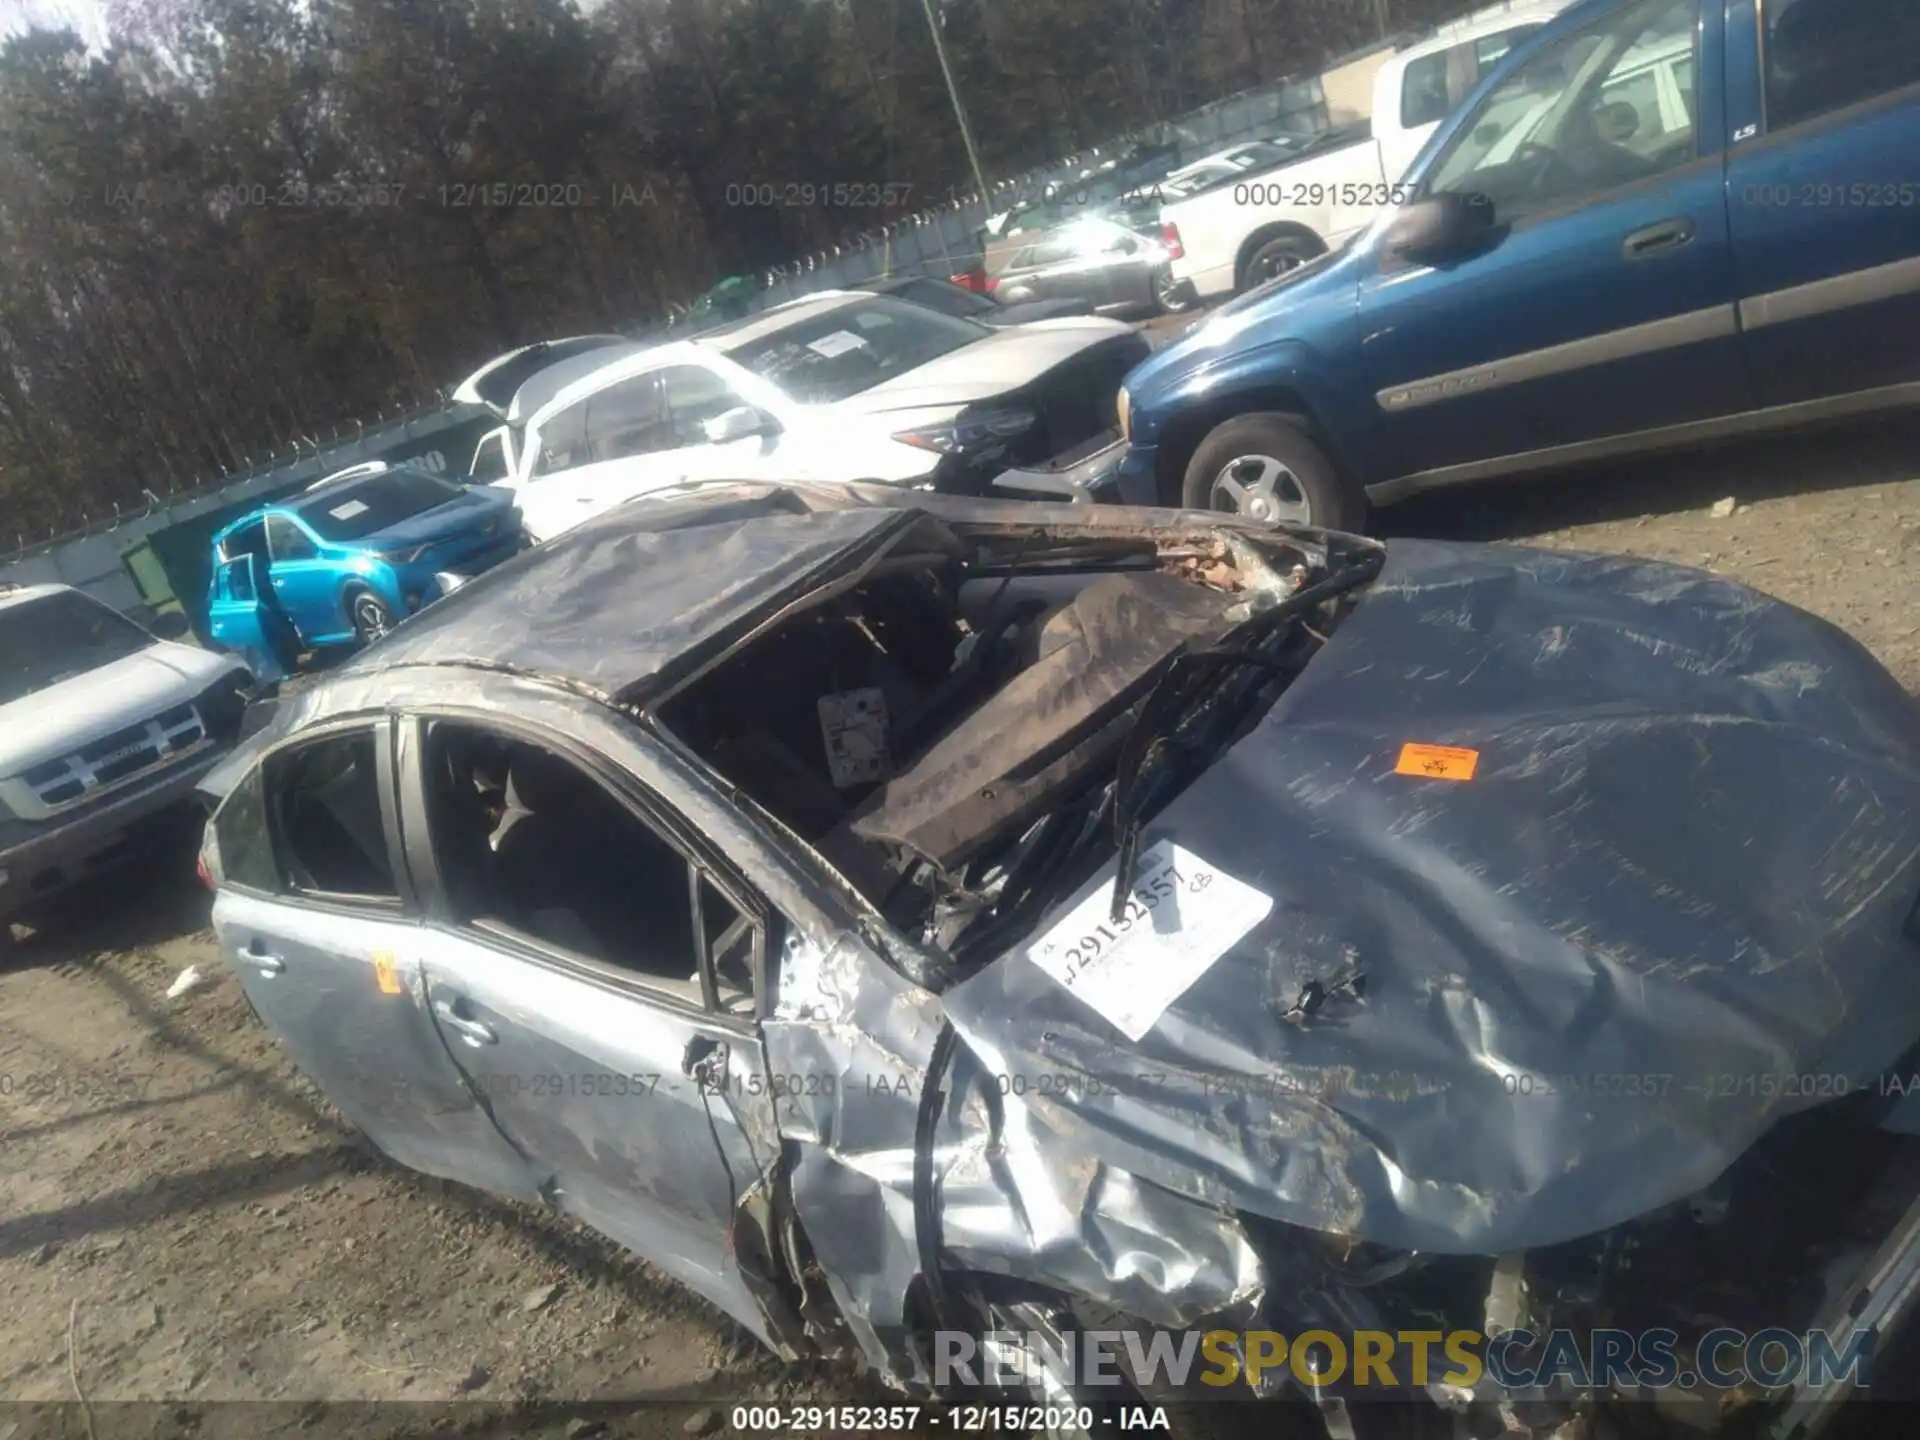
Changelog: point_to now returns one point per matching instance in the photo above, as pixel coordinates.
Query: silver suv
(104, 727)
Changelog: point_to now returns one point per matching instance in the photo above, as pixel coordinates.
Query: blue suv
(1656, 223)
(346, 559)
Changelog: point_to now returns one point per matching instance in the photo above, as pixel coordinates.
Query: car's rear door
(611, 1026)
(1603, 304)
(1823, 188)
(314, 914)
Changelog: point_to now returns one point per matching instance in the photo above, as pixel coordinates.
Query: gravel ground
(182, 1206)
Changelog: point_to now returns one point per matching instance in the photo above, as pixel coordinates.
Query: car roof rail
(365, 467)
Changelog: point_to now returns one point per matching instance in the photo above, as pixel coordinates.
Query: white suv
(104, 727)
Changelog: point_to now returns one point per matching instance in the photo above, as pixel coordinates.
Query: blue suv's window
(1824, 55)
(287, 541)
(368, 506)
(1603, 107)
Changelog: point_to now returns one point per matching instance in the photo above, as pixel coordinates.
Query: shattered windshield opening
(950, 733)
(59, 636)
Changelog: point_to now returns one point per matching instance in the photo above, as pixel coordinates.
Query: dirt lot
(180, 1203)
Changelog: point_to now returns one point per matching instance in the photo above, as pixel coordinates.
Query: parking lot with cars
(186, 1206)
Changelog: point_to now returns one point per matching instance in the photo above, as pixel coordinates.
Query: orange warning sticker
(386, 973)
(1437, 762)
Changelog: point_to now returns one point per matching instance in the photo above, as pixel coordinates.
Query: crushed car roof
(611, 604)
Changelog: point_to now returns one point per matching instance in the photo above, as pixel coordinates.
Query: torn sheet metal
(1594, 971)
(1015, 1199)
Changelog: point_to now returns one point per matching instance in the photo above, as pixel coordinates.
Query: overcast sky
(86, 16)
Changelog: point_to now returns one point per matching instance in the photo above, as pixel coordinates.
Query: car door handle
(1667, 235)
(261, 960)
(471, 1031)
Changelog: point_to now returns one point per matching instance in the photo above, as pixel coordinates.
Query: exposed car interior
(948, 733)
(528, 840)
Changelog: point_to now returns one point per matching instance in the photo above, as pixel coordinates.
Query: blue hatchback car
(347, 559)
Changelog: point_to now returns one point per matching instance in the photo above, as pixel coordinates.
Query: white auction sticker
(1183, 915)
(838, 343)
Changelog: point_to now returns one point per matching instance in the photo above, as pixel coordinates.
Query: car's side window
(246, 843)
(1824, 55)
(489, 459)
(629, 417)
(1489, 50)
(1579, 118)
(533, 846)
(1090, 241)
(1423, 90)
(696, 395)
(287, 541)
(563, 441)
(1053, 252)
(235, 580)
(323, 811)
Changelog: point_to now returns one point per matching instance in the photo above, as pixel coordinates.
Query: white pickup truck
(1254, 225)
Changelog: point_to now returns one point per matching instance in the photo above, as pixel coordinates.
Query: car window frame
(1419, 64)
(286, 518)
(697, 436)
(650, 380)
(495, 438)
(386, 771)
(1771, 126)
(1466, 123)
(537, 440)
(701, 857)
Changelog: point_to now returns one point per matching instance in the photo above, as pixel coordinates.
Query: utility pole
(953, 94)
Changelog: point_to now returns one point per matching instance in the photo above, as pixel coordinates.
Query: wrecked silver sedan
(899, 917)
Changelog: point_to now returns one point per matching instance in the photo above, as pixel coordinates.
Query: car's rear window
(827, 357)
(56, 637)
(368, 506)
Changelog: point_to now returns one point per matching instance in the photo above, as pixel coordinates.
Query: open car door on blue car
(243, 616)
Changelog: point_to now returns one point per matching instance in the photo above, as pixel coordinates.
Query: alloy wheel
(370, 618)
(1261, 488)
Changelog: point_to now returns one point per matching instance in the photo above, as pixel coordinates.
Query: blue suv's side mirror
(1441, 227)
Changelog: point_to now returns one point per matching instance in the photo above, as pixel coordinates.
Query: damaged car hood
(1663, 895)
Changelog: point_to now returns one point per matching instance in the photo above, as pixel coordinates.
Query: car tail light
(1170, 237)
(208, 865)
(976, 280)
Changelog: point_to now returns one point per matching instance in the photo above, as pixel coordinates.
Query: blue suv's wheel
(371, 617)
(1264, 467)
